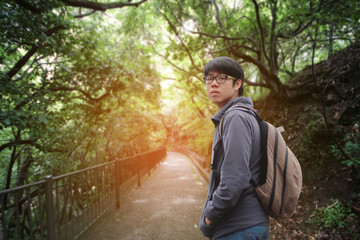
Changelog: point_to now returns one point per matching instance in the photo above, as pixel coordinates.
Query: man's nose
(214, 83)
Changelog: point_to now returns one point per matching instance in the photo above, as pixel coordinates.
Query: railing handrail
(104, 164)
(10, 190)
(83, 170)
(22, 187)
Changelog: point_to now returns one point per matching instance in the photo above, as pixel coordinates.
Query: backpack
(280, 179)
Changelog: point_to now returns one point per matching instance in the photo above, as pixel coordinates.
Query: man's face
(222, 93)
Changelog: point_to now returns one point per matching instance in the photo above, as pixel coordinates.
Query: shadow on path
(167, 206)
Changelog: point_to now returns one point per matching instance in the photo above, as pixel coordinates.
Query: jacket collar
(240, 100)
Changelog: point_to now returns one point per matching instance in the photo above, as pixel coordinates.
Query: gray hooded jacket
(232, 204)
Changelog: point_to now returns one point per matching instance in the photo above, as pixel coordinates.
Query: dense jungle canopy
(83, 82)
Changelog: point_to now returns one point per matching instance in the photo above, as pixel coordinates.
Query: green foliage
(335, 215)
(354, 150)
(272, 40)
(350, 151)
(89, 91)
(315, 136)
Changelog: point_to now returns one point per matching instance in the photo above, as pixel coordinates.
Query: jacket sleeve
(235, 173)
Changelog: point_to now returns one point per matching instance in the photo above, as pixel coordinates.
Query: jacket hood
(236, 101)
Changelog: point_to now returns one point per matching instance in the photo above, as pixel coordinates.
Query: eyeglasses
(219, 79)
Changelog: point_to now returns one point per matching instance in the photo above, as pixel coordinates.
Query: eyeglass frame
(216, 79)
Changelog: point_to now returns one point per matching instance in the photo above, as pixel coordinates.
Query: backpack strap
(258, 118)
(263, 142)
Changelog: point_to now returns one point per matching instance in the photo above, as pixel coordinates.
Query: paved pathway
(167, 206)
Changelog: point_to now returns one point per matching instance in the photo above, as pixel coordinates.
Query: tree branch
(227, 38)
(297, 31)
(272, 48)
(222, 50)
(101, 6)
(217, 16)
(254, 61)
(14, 143)
(17, 67)
(181, 41)
(262, 47)
(220, 36)
(201, 113)
(87, 95)
(301, 27)
(174, 65)
(29, 98)
(256, 84)
(85, 14)
(272, 80)
(28, 6)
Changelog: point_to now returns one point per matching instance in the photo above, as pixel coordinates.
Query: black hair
(226, 66)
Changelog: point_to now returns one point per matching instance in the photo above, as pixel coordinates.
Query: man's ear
(238, 84)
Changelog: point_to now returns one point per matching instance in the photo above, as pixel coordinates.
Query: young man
(232, 210)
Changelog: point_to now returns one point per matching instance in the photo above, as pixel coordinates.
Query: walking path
(167, 206)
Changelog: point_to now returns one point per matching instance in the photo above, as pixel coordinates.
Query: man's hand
(207, 221)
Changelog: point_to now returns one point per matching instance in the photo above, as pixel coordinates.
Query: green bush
(350, 152)
(335, 215)
(315, 136)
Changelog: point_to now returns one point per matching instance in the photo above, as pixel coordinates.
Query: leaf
(7, 121)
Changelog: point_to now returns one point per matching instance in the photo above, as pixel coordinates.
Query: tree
(271, 39)
(64, 89)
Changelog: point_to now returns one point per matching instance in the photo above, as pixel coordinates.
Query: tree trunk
(23, 171)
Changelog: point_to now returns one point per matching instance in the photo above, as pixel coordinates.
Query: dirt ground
(338, 184)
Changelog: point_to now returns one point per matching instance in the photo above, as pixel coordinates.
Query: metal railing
(63, 207)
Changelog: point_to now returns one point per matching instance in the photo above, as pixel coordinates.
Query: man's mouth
(214, 92)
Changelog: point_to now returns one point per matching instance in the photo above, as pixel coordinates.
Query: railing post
(3, 214)
(117, 183)
(49, 208)
(138, 170)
